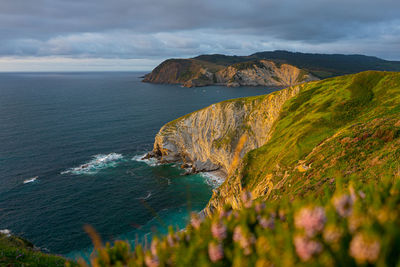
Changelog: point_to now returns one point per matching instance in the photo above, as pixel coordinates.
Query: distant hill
(211, 69)
(327, 65)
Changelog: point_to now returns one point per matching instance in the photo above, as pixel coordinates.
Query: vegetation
(335, 126)
(355, 226)
(248, 65)
(16, 251)
(326, 65)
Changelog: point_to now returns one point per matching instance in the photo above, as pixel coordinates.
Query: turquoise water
(70, 145)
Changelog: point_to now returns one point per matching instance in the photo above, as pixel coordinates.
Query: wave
(151, 162)
(30, 180)
(212, 179)
(146, 197)
(99, 162)
(5, 232)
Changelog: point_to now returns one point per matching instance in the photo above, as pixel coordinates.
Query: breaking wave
(146, 197)
(151, 162)
(30, 180)
(99, 162)
(5, 232)
(212, 179)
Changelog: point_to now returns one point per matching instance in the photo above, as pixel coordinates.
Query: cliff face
(192, 73)
(182, 71)
(206, 139)
(262, 73)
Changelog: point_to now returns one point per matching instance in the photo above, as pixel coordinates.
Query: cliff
(206, 139)
(193, 73)
(188, 72)
(298, 138)
(262, 73)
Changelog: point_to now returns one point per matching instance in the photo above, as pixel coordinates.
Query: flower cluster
(342, 230)
(312, 220)
(365, 249)
(306, 248)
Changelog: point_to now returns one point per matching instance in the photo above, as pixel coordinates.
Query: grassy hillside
(346, 126)
(328, 65)
(15, 252)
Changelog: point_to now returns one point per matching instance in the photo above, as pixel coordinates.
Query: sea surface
(70, 155)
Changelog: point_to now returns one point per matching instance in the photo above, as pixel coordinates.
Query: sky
(136, 35)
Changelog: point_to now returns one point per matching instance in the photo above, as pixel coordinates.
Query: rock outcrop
(194, 73)
(206, 139)
(262, 73)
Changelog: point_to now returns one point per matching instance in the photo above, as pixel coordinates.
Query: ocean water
(70, 149)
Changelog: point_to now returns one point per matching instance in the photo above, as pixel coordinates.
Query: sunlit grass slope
(346, 126)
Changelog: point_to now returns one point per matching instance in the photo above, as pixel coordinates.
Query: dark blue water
(73, 139)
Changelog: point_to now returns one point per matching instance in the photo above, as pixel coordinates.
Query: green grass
(15, 252)
(319, 111)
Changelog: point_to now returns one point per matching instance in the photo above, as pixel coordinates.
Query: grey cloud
(159, 28)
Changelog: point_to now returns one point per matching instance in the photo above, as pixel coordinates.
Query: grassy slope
(363, 108)
(15, 251)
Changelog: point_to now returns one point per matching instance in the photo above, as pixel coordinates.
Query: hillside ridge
(263, 68)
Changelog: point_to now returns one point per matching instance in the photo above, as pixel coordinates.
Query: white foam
(5, 232)
(151, 162)
(99, 162)
(30, 180)
(146, 197)
(212, 179)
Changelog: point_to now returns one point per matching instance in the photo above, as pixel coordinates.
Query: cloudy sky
(138, 34)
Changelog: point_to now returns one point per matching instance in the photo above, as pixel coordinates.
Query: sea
(71, 148)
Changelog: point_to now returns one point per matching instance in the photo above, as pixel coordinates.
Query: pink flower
(364, 249)
(218, 230)
(306, 248)
(153, 247)
(151, 261)
(312, 220)
(195, 221)
(170, 240)
(237, 234)
(215, 252)
(266, 223)
(247, 199)
(244, 241)
(343, 205)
